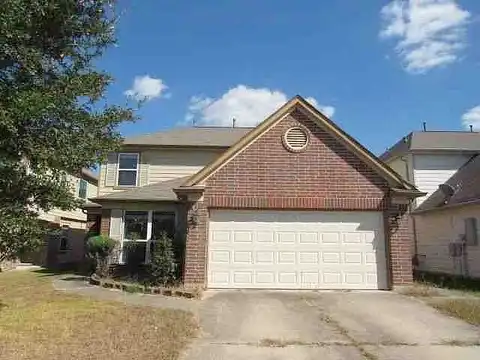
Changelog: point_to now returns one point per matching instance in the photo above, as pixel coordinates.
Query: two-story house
(442, 164)
(293, 203)
(68, 247)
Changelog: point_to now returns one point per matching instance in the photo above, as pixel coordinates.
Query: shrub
(162, 269)
(99, 249)
(134, 256)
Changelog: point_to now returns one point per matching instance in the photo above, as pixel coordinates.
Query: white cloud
(430, 33)
(147, 88)
(249, 106)
(326, 110)
(472, 117)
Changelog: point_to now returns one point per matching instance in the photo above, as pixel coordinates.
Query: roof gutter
(409, 193)
(446, 207)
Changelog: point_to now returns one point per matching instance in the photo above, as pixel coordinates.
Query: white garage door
(296, 250)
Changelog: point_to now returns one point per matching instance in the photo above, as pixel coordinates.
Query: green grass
(37, 322)
(420, 290)
(465, 309)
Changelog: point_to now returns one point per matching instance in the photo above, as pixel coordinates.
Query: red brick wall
(400, 234)
(93, 223)
(105, 223)
(196, 245)
(326, 176)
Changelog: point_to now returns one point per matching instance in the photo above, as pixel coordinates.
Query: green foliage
(134, 253)
(100, 248)
(133, 288)
(54, 120)
(100, 245)
(163, 266)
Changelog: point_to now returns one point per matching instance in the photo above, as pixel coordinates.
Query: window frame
(149, 239)
(83, 181)
(137, 169)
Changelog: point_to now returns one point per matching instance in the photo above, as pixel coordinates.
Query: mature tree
(54, 119)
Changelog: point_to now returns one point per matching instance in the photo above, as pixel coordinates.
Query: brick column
(401, 238)
(105, 222)
(194, 272)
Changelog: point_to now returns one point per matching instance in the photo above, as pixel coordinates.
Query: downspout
(411, 208)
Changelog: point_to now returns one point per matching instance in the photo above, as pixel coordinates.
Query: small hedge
(145, 289)
(448, 281)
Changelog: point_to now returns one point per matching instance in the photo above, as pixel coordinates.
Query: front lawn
(465, 309)
(463, 304)
(39, 323)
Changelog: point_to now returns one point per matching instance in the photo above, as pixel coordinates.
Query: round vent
(296, 139)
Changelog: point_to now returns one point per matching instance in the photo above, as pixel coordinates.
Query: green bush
(134, 257)
(100, 249)
(162, 269)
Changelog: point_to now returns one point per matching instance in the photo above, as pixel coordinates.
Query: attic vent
(295, 139)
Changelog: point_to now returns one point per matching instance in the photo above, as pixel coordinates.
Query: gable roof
(214, 137)
(162, 191)
(465, 185)
(300, 103)
(434, 141)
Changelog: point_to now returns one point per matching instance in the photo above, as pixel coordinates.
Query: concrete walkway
(79, 285)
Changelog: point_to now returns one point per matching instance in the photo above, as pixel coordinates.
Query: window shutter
(116, 232)
(116, 224)
(111, 169)
(143, 170)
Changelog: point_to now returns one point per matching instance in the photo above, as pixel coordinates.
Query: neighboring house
(429, 158)
(448, 224)
(294, 203)
(68, 246)
(445, 224)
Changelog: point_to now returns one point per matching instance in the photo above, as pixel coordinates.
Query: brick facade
(105, 222)
(326, 176)
(400, 233)
(195, 265)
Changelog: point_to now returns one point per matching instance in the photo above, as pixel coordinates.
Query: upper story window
(82, 189)
(127, 169)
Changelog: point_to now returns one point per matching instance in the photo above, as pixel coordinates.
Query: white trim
(241, 150)
(137, 170)
(149, 236)
(287, 143)
(148, 240)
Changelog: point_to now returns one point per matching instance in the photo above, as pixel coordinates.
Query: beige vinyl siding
(433, 170)
(171, 164)
(437, 229)
(158, 165)
(92, 190)
(74, 218)
(400, 167)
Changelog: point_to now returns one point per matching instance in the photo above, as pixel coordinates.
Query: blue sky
(380, 67)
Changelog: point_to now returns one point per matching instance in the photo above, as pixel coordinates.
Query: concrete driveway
(328, 325)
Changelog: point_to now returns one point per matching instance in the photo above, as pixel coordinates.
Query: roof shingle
(465, 183)
(162, 191)
(434, 140)
(190, 137)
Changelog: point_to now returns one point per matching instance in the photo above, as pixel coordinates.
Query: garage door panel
(312, 250)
